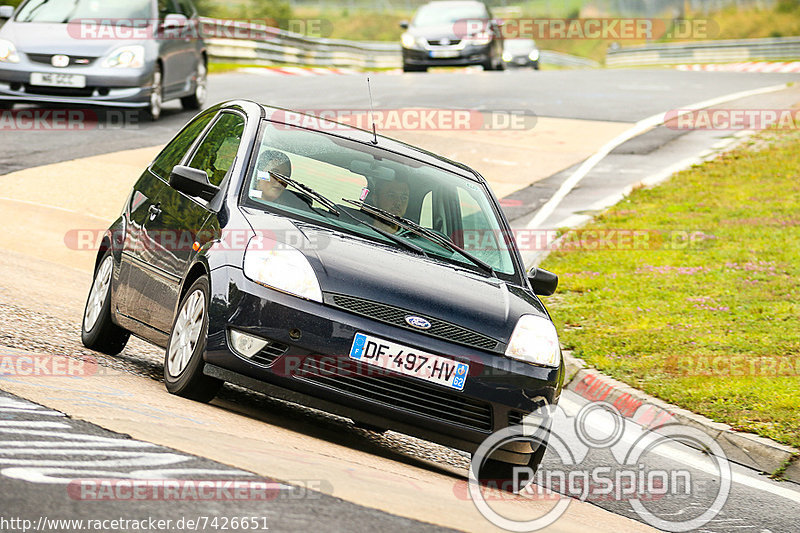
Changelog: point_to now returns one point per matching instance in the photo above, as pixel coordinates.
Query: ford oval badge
(417, 322)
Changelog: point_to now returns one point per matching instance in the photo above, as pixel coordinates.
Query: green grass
(661, 318)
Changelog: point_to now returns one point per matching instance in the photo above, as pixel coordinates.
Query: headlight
(125, 57)
(408, 40)
(8, 52)
(507, 57)
(479, 39)
(284, 269)
(535, 341)
(533, 56)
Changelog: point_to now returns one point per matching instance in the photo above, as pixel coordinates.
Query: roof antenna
(372, 114)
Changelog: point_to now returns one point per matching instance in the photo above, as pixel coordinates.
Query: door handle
(154, 211)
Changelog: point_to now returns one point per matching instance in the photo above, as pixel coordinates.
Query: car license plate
(51, 79)
(409, 361)
(442, 54)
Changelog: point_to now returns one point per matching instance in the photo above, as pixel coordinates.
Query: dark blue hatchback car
(328, 266)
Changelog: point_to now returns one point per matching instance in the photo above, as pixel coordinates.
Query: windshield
(519, 46)
(348, 172)
(440, 14)
(63, 11)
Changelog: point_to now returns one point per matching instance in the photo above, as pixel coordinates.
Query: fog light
(246, 344)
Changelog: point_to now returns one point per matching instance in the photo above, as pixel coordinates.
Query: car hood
(51, 38)
(444, 31)
(361, 268)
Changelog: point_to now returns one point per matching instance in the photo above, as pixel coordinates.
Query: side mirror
(543, 281)
(193, 182)
(6, 12)
(404, 24)
(174, 20)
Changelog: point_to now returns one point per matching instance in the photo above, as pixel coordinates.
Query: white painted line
(32, 424)
(640, 127)
(685, 455)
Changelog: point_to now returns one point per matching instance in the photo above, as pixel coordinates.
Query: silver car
(119, 53)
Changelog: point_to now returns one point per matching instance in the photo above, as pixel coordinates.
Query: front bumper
(469, 55)
(104, 86)
(308, 362)
(520, 62)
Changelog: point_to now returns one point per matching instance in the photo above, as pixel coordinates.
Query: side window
(173, 153)
(185, 7)
(164, 8)
(426, 214)
(218, 149)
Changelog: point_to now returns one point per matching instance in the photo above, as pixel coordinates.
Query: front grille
(400, 393)
(438, 42)
(397, 317)
(515, 418)
(59, 91)
(46, 59)
(270, 353)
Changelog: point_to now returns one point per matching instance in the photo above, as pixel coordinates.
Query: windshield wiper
(308, 192)
(422, 231)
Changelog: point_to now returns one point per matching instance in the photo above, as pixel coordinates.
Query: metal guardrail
(705, 52)
(255, 44)
(240, 42)
(560, 59)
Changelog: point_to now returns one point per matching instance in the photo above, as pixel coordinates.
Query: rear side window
(173, 153)
(186, 8)
(217, 151)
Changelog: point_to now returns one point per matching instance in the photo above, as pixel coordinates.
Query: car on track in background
(333, 267)
(519, 53)
(114, 53)
(452, 33)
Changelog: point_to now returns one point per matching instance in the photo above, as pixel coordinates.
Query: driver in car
(391, 196)
(267, 187)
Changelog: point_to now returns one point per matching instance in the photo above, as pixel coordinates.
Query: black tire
(488, 65)
(414, 68)
(198, 99)
(153, 110)
(99, 332)
(535, 65)
(501, 475)
(187, 379)
(5, 105)
(369, 427)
